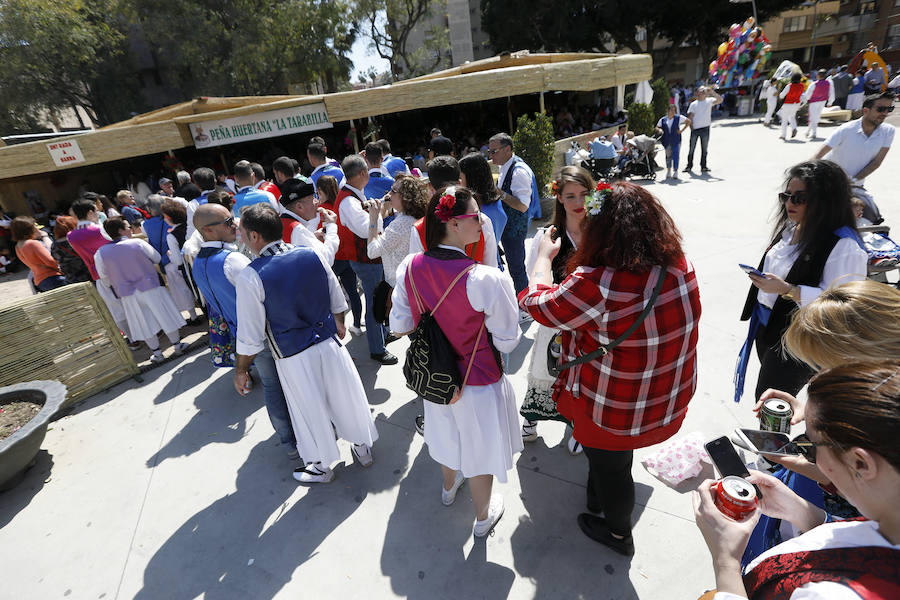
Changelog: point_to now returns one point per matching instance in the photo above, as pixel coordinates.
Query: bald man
(215, 272)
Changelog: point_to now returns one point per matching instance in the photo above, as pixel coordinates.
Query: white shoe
(529, 431)
(354, 330)
(157, 357)
(181, 347)
(363, 454)
(495, 511)
(574, 447)
(675, 175)
(448, 496)
(313, 473)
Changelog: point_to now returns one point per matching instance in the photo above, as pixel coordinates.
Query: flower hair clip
(594, 202)
(444, 209)
(554, 187)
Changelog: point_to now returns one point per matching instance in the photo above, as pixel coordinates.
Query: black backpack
(430, 367)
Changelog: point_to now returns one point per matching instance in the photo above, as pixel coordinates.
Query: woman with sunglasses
(815, 244)
(475, 436)
(853, 423)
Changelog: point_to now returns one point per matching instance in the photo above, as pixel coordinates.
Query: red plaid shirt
(638, 394)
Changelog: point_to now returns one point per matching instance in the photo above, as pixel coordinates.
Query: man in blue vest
(379, 182)
(215, 271)
(317, 154)
(291, 299)
(247, 194)
(390, 163)
(521, 201)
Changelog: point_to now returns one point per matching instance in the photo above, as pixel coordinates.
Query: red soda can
(735, 497)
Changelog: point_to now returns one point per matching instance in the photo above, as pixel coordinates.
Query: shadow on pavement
(16, 499)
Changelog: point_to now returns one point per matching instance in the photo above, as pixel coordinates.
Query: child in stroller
(884, 253)
(639, 158)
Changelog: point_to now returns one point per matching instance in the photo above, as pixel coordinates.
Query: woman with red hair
(637, 394)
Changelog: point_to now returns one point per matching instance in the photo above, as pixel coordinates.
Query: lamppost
(755, 20)
(812, 48)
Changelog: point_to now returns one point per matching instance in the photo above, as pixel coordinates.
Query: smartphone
(751, 270)
(767, 442)
(725, 458)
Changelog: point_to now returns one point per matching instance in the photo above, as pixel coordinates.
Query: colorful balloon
(722, 48)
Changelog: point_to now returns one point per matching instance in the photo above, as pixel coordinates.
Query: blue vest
(498, 217)
(379, 185)
(246, 197)
(157, 230)
(671, 137)
(298, 305)
(859, 87)
(328, 170)
(395, 165)
(209, 275)
(516, 220)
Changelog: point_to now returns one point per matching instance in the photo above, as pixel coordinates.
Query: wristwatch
(792, 294)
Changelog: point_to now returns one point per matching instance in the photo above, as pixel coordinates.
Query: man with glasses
(859, 147)
(215, 271)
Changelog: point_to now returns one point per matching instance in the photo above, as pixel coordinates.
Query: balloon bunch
(742, 57)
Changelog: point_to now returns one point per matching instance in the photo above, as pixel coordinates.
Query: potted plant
(25, 411)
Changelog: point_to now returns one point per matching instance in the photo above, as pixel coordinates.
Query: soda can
(776, 416)
(735, 497)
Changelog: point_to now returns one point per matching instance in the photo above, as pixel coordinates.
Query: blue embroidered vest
(209, 275)
(157, 230)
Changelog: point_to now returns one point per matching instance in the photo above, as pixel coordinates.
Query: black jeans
(610, 487)
(702, 134)
(778, 371)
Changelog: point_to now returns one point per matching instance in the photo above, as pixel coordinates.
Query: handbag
(430, 368)
(381, 302)
(554, 347)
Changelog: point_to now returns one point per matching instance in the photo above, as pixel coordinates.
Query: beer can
(735, 497)
(776, 416)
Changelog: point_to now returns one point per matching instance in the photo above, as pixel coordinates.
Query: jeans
(610, 487)
(702, 134)
(345, 274)
(51, 283)
(672, 153)
(514, 249)
(273, 396)
(369, 275)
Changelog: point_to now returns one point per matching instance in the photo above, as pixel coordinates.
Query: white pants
(855, 101)
(788, 115)
(815, 113)
(770, 110)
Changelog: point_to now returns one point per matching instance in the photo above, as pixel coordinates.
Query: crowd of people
(276, 266)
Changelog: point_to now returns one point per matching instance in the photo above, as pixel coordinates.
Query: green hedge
(640, 119)
(534, 143)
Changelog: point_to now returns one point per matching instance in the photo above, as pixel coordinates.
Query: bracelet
(789, 295)
(373, 225)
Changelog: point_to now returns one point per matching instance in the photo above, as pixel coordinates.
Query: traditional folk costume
(819, 95)
(128, 266)
(478, 434)
(288, 298)
(793, 96)
(297, 231)
(175, 270)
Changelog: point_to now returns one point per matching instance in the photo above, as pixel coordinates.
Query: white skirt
(855, 101)
(322, 386)
(477, 435)
(151, 312)
(538, 375)
(181, 293)
(115, 307)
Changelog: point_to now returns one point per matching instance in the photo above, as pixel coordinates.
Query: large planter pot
(18, 451)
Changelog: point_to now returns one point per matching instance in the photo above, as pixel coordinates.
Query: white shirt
(769, 91)
(235, 262)
(488, 291)
(353, 217)
(303, 235)
(190, 209)
(174, 252)
(146, 248)
(490, 242)
(853, 150)
(617, 142)
(392, 246)
(668, 122)
(841, 534)
(251, 312)
(520, 185)
(700, 112)
(847, 262)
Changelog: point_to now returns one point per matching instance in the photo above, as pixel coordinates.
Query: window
(893, 36)
(792, 24)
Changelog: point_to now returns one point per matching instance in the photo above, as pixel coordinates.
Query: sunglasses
(473, 215)
(884, 109)
(229, 222)
(797, 198)
(493, 152)
(808, 448)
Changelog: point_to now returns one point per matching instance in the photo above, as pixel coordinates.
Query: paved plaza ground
(177, 488)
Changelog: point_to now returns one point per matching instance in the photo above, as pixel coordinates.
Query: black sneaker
(386, 358)
(420, 424)
(687, 169)
(595, 528)
(390, 338)
(704, 169)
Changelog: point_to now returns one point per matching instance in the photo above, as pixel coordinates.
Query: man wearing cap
(247, 194)
(300, 219)
(216, 270)
(819, 95)
(291, 299)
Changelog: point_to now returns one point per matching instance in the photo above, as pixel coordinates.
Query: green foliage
(388, 25)
(629, 99)
(534, 143)
(661, 95)
(640, 119)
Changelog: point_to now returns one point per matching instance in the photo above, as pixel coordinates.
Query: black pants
(610, 487)
(779, 371)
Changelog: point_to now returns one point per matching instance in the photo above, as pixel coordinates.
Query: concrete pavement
(177, 488)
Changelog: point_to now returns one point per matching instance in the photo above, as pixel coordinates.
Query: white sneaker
(495, 511)
(354, 330)
(181, 347)
(529, 431)
(574, 447)
(157, 357)
(448, 496)
(313, 473)
(363, 454)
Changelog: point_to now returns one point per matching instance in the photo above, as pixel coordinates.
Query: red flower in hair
(444, 210)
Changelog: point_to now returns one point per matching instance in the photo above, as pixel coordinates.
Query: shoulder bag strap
(604, 350)
(472, 358)
(419, 303)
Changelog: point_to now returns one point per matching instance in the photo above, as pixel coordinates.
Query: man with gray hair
(700, 114)
(186, 188)
(351, 207)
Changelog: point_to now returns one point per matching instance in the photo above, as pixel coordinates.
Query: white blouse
(392, 245)
(847, 262)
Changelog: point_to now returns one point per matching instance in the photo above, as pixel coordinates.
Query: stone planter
(18, 451)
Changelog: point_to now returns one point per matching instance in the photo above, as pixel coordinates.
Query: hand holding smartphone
(727, 460)
(751, 270)
(771, 443)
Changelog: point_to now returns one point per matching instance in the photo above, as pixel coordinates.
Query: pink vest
(458, 320)
(820, 91)
(86, 241)
(128, 268)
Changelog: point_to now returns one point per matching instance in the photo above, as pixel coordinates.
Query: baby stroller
(884, 253)
(601, 169)
(640, 161)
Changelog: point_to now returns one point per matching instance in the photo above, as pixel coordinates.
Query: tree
(59, 54)
(389, 24)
